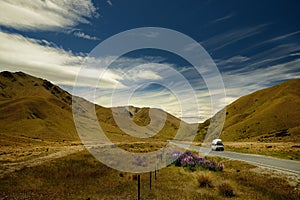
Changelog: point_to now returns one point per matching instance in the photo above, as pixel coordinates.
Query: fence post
(150, 179)
(139, 187)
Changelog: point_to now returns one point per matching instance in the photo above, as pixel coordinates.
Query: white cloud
(85, 36)
(109, 2)
(39, 58)
(145, 75)
(45, 15)
(143, 72)
(36, 57)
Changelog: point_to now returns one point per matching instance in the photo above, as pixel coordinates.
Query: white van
(217, 145)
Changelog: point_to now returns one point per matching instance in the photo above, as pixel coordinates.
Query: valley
(40, 145)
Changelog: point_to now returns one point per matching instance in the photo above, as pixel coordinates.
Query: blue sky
(255, 44)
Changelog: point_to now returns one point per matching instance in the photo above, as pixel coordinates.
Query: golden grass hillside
(35, 108)
(268, 115)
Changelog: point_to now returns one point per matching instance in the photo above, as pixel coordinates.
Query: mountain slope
(271, 114)
(34, 108)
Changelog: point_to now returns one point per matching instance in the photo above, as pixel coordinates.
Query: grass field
(287, 150)
(80, 176)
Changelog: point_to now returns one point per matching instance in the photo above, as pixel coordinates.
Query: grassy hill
(34, 108)
(268, 115)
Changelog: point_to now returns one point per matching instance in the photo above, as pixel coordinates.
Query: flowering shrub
(193, 161)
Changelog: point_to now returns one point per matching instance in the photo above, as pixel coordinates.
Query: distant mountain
(271, 114)
(34, 108)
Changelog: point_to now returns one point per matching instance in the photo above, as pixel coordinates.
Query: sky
(254, 44)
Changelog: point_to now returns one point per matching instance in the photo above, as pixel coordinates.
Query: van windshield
(219, 143)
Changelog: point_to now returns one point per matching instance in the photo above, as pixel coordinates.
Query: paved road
(275, 163)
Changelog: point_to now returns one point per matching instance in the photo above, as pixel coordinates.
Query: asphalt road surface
(275, 163)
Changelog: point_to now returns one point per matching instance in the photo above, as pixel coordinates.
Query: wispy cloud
(151, 34)
(281, 37)
(109, 2)
(224, 18)
(45, 15)
(191, 46)
(277, 53)
(232, 60)
(85, 36)
(273, 40)
(260, 69)
(240, 82)
(225, 39)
